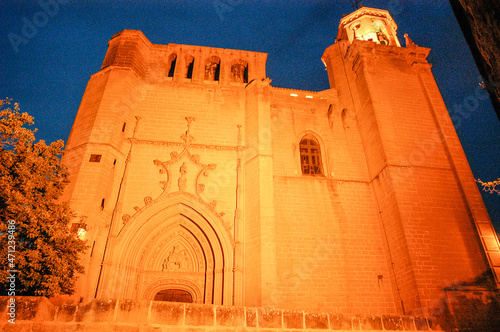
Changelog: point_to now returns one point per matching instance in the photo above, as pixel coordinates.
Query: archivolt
(178, 218)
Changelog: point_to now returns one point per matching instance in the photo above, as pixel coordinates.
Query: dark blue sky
(48, 73)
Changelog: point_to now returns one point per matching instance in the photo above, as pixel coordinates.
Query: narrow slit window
(102, 204)
(95, 158)
(245, 75)
(124, 126)
(172, 60)
(189, 67)
(310, 157)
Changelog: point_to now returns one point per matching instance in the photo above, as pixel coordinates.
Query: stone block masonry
(39, 314)
(200, 178)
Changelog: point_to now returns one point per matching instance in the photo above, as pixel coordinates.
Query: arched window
(239, 72)
(310, 156)
(172, 59)
(189, 66)
(212, 69)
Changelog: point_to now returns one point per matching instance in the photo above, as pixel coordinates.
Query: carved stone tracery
(182, 182)
(180, 251)
(165, 166)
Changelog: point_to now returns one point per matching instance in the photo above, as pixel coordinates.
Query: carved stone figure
(330, 116)
(238, 73)
(182, 179)
(210, 71)
(176, 261)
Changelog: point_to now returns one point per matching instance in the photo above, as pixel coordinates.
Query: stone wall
(39, 314)
(208, 173)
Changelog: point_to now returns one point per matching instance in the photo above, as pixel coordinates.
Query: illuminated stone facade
(202, 182)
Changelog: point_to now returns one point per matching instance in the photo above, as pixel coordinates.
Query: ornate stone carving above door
(177, 260)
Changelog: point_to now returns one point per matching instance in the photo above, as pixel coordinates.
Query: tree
(32, 179)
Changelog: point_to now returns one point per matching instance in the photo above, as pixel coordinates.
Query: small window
(189, 66)
(123, 127)
(310, 157)
(102, 204)
(95, 158)
(172, 61)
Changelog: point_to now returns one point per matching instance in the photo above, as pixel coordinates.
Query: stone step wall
(39, 314)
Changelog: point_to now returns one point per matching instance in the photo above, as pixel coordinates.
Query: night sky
(53, 63)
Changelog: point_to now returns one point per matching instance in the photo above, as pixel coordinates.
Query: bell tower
(369, 24)
(436, 228)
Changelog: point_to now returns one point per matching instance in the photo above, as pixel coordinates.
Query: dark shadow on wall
(470, 306)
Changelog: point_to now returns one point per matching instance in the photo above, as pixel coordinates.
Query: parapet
(156, 63)
(37, 313)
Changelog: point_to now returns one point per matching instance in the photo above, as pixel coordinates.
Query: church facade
(201, 182)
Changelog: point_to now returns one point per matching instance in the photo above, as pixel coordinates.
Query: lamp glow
(81, 233)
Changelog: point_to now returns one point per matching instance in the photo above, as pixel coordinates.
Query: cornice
(413, 54)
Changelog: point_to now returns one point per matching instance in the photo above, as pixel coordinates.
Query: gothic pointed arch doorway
(177, 249)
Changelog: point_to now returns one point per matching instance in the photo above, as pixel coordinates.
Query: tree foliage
(32, 179)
